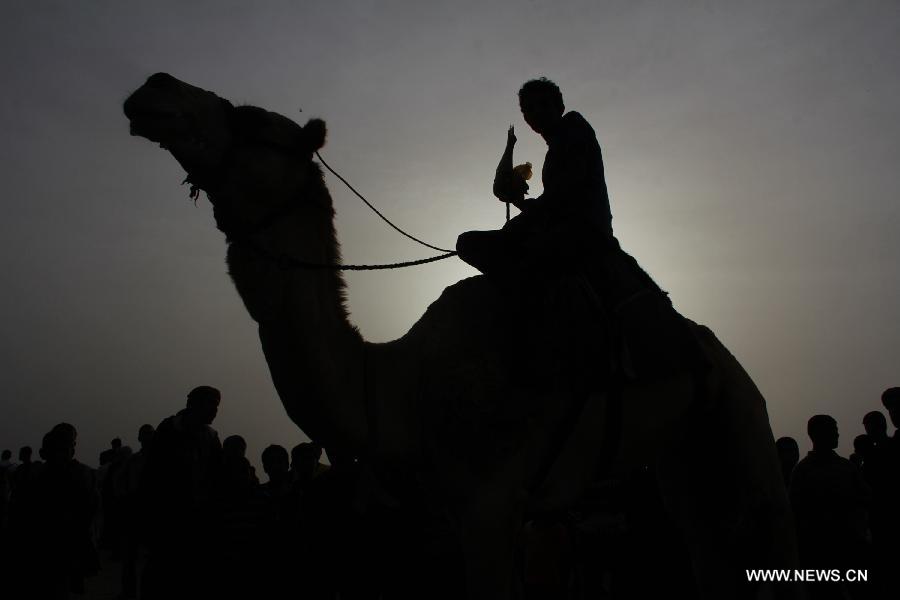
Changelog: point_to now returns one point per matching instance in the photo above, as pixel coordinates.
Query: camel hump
(708, 341)
(470, 306)
(470, 296)
(463, 291)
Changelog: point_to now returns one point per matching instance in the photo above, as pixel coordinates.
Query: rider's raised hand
(511, 135)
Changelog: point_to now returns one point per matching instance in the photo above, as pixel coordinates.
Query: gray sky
(751, 154)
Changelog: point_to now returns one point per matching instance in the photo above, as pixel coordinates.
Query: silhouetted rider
(567, 232)
(573, 210)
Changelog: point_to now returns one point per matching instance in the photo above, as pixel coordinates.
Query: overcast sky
(751, 153)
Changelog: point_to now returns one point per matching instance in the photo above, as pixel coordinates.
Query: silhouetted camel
(443, 401)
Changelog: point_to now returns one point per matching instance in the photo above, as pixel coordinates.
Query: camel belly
(616, 435)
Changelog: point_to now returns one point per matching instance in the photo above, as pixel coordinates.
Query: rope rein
(377, 212)
(290, 262)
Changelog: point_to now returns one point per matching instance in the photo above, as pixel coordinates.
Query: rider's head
(542, 104)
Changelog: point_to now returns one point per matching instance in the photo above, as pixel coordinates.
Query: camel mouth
(172, 113)
(156, 125)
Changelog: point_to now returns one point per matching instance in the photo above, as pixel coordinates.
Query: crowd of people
(185, 516)
(847, 510)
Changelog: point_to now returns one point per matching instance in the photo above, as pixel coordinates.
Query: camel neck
(314, 353)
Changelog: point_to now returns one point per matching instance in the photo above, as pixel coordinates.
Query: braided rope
(377, 212)
(294, 263)
(289, 262)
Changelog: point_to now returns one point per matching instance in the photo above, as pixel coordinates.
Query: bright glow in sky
(751, 155)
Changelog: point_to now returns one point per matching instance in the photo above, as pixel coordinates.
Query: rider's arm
(505, 167)
(523, 204)
(569, 171)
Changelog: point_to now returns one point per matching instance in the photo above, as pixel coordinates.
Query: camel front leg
(490, 527)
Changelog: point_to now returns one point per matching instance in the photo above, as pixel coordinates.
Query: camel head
(253, 164)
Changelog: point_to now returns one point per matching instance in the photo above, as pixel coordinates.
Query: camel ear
(315, 131)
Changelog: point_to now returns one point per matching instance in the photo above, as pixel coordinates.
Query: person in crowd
(862, 450)
(7, 468)
(127, 492)
(234, 461)
(5, 494)
(25, 467)
(177, 488)
(276, 465)
(788, 457)
(112, 462)
(55, 546)
(876, 427)
(107, 456)
(242, 523)
(21, 478)
(886, 505)
(830, 500)
(6, 461)
(877, 467)
(284, 561)
(306, 464)
(890, 399)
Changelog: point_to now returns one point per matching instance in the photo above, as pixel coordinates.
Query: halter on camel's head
(252, 163)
